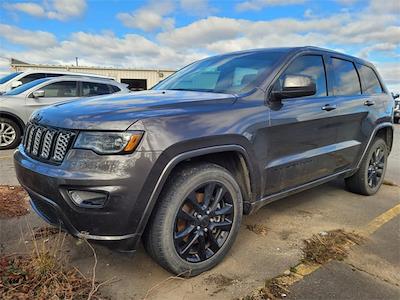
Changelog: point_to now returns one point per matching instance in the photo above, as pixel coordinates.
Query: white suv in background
(17, 105)
(16, 79)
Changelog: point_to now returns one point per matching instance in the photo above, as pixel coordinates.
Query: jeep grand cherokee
(180, 164)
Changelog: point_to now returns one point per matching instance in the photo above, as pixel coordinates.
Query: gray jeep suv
(180, 164)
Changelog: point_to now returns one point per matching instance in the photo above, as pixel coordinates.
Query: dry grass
(13, 201)
(44, 273)
(321, 248)
(259, 229)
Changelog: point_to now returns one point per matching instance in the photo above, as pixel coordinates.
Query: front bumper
(121, 177)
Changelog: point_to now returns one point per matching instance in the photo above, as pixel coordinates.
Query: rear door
(352, 111)
(53, 93)
(302, 133)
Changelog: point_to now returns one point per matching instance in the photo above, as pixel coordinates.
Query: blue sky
(172, 33)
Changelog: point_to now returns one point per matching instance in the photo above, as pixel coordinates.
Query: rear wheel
(10, 134)
(369, 177)
(196, 221)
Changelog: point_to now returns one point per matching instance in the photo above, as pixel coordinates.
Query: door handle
(369, 102)
(328, 107)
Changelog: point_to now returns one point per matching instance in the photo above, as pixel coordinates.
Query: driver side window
(310, 65)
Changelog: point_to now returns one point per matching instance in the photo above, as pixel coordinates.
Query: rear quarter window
(369, 81)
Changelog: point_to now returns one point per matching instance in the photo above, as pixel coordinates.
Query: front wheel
(369, 177)
(10, 134)
(196, 220)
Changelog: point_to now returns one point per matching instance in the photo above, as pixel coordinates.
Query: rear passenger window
(90, 89)
(311, 65)
(346, 82)
(114, 89)
(370, 82)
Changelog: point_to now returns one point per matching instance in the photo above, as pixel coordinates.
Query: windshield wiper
(200, 90)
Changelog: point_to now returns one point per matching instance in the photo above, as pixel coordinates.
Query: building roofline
(27, 65)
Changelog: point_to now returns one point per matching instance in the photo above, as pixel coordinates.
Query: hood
(118, 112)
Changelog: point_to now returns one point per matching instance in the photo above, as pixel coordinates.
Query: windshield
(233, 73)
(25, 87)
(9, 77)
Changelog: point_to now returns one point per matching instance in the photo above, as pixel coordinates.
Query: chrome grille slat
(37, 140)
(47, 144)
(61, 146)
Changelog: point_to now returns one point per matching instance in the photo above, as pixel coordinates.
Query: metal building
(137, 79)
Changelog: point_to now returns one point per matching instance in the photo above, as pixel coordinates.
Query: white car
(17, 105)
(16, 79)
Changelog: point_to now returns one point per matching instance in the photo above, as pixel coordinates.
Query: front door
(53, 93)
(301, 139)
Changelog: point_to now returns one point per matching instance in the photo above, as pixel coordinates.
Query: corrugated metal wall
(152, 76)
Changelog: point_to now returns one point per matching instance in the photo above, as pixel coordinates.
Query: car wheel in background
(10, 134)
(196, 220)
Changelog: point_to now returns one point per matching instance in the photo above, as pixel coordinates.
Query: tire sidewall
(15, 143)
(176, 199)
(378, 143)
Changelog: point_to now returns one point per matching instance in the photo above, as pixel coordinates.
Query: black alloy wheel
(203, 222)
(375, 167)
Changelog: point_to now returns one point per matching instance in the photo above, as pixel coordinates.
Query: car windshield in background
(9, 77)
(25, 87)
(235, 73)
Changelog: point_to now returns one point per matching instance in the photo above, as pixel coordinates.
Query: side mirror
(294, 86)
(395, 96)
(38, 94)
(15, 84)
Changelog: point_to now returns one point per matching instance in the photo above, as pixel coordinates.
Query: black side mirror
(395, 96)
(294, 86)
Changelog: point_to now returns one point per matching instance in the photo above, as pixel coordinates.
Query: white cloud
(260, 4)
(33, 39)
(29, 8)
(197, 7)
(150, 17)
(362, 33)
(390, 72)
(54, 9)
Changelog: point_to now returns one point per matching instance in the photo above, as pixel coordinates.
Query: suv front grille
(47, 144)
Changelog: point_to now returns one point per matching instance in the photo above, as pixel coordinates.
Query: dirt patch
(389, 183)
(325, 246)
(13, 201)
(219, 280)
(45, 232)
(259, 229)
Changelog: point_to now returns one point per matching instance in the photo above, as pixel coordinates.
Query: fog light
(88, 199)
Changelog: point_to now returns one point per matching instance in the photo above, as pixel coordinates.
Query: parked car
(180, 164)
(17, 79)
(18, 104)
(396, 115)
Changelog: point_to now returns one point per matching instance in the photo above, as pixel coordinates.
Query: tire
(370, 170)
(396, 120)
(163, 237)
(10, 134)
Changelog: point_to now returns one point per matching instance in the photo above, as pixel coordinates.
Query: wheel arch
(233, 157)
(383, 130)
(15, 118)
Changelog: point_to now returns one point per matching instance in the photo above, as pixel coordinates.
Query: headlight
(108, 142)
